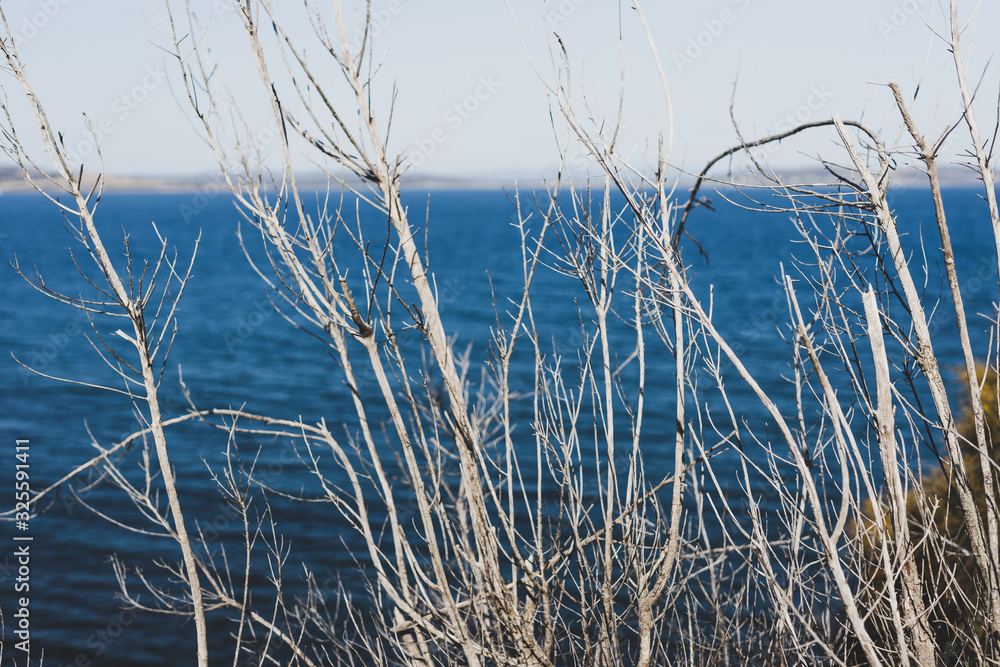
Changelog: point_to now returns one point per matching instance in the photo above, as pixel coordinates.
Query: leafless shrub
(569, 551)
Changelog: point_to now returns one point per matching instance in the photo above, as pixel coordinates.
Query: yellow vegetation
(941, 547)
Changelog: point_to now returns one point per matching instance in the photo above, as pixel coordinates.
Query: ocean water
(234, 349)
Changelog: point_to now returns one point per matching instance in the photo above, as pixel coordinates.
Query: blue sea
(234, 349)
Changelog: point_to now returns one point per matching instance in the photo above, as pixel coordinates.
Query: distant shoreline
(906, 177)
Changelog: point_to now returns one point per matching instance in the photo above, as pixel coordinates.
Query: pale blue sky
(800, 60)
